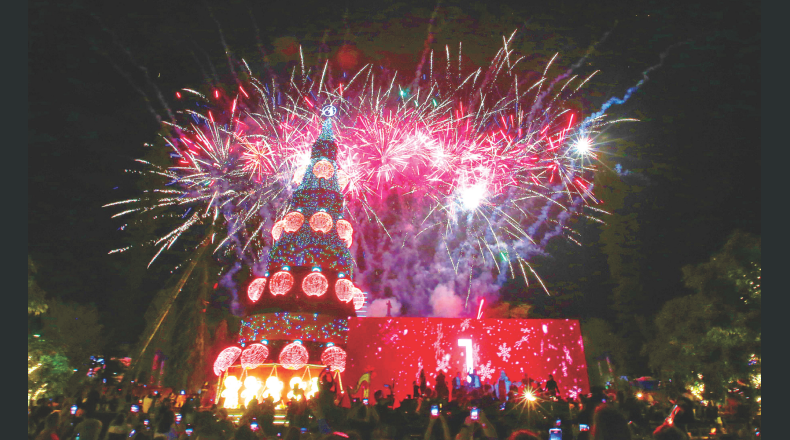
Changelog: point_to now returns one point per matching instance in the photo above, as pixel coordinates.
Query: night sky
(695, 154)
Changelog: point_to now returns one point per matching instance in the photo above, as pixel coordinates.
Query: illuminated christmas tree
(310, 268)
(297, 312)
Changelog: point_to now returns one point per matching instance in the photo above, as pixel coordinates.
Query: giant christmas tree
(296, 313)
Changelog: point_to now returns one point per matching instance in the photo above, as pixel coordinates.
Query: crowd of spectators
(463, 409)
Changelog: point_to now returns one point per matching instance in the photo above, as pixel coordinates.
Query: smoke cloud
(378, 308)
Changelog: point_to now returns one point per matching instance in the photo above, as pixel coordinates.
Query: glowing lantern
(335, 358)
(225, 359)
(231, 392)
(293, 221)
(251, 387)
(344, 289)
(294, 356)
(299, 174)
(342, 179)
(345, 231)
(277, 230)
(359, 299)
(321, 221)
(254, 355)
(315, 284)
(274, 388)
(281, 283)
(323, 169)
(255, 290)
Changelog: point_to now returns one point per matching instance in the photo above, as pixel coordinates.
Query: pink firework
(494, 160)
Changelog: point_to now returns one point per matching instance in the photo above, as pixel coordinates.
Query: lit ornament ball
(225, 359)
(342, 179)
(255, 290)
(359, 299)
(294, 356)
(323, 169)
(293, 221)
(277, 230)
(321, 221)
(315, 284)
(344, 289)
(299, 175)
(345, 231)
(254, 355)
(281, 283)
(335, 358)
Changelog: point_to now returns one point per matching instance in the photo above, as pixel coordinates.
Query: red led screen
(396, 349)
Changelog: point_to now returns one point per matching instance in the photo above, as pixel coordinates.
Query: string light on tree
(294, 356)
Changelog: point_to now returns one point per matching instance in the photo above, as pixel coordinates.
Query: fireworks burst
(461, 172)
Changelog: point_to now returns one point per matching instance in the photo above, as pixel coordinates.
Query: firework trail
(452, 183)
(631, 90)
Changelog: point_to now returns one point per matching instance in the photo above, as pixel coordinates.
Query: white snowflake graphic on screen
(504, 352)
(443, 363)
(465, 324)
(574, 392)
(438, 344)
(485, 371)
(521, 341)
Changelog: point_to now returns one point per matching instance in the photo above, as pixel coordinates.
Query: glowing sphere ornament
(359, 299)
(323, 169)
(277, 230)
(254, 355)
(299, 175)
(342, 179)
(293, 221)
(344, 289)
(294, 356)
(335, 358)
(321, 222)
(345, 231)
(315, 284)
(281, 283)
(225, 359)
(255, 289)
